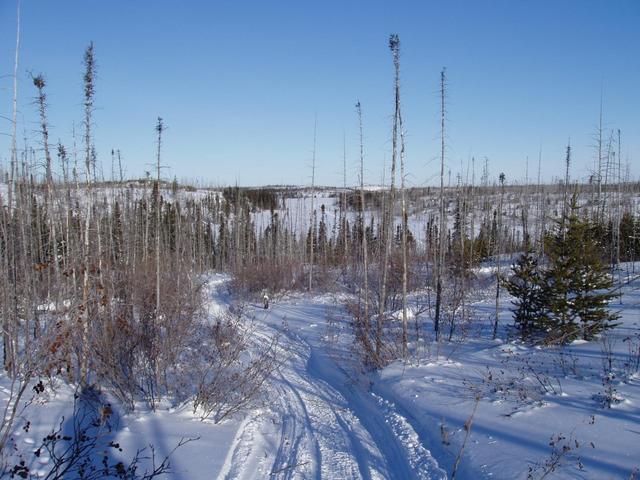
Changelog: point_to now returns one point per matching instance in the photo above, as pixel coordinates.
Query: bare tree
(498, 253)
(312, 219)
(363, 226)
(405, 229)
(441, 229)
(159, 129)
(394, 46)
(598, 173)
(343, 204)
(89, 91)
(9, 324)
(41, 100)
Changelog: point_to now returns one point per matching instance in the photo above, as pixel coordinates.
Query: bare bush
(523, 386)
(563, 452)
(609, 395)
(229, 375)
(497, 384)
(82, 447)
(136, 348)
(632, 365)
(567, 362)
(275, 277)
(25, 387)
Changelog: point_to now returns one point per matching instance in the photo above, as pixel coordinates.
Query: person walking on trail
(265, 300)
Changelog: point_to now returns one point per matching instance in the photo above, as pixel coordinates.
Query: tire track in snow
(298, 446)
(394, 437)
(315, 425)
(304, 432)
(311, 406)
(404, 456)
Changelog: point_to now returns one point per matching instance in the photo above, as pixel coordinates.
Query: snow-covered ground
(529, 398)
(162, 429)
(323, 422)
(320, 417)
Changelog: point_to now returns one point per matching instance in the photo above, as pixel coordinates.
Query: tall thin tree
(363, 226)
(52, 271)
(159, 129)
(9, 324)
(394, 46)
(89, 92)
(498, 252)
(441, 229)
(312, 219)
(405, 229)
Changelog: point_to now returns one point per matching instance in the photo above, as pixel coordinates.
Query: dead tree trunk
(394, 45)
(10, 322)
(405, 339)
(159, 130)
(441, 229)
(363, 226)
(89, 90)
(312, 217)
(499, 251)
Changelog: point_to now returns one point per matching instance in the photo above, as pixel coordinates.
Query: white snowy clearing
(320, 417)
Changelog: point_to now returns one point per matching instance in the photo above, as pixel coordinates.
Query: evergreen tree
(482, 243)
(563, 264)
(322, 241)
(629, 239)
(577, 282)
(592, 288)
(526, 286)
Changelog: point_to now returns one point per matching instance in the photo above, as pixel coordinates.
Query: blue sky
(239, 83)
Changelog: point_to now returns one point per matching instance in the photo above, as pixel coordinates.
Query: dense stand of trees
(78, 255)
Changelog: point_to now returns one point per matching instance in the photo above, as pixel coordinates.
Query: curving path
(316, 422)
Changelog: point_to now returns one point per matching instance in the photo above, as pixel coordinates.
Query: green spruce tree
(577, 283)
(526, 286)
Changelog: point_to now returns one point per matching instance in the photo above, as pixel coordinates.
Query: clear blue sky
(238, 83)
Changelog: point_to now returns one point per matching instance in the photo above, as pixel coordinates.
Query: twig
(467, 427)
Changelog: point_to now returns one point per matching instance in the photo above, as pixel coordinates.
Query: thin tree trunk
(88, 110)
(159, 129)
(313, 221)
(365, 259)
(394, 45)
(345, 245)
(499, 251)
(441, 234)
(405, 339)
(10, 322)
(599, 164)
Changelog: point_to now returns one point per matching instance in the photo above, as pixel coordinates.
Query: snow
(323, 425)
(517, 416)
(321, 417)
(163, 429)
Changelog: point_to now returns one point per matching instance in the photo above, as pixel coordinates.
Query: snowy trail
(317, 424)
